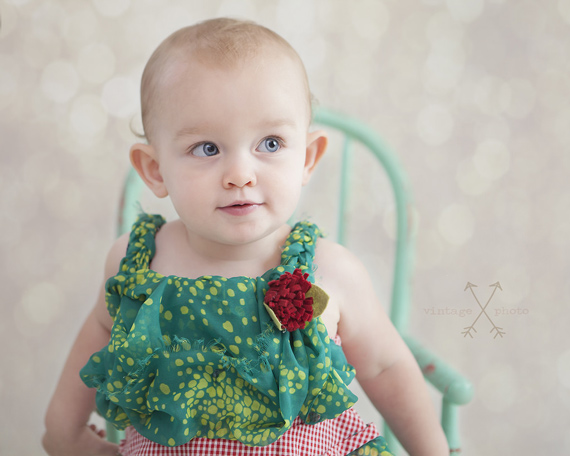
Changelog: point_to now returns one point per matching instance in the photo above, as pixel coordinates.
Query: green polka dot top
(202, 357)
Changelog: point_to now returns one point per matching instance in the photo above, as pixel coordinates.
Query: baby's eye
(205, 150)
(269, 145)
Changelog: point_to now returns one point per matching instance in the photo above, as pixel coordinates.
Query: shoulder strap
(141, 248)
(299, 250)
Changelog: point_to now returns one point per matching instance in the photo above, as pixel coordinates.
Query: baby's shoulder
(116, 253)
(333, 256)
(337, 266)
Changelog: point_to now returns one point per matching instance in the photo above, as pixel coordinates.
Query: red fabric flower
(287, 298)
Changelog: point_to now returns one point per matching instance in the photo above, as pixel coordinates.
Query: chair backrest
(354, 132)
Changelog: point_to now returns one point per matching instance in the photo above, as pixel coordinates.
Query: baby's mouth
(240, 208)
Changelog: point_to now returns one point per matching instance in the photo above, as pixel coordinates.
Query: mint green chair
(455, 389)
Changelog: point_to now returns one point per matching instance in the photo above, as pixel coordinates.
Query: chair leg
(449, 422)
(114, 435)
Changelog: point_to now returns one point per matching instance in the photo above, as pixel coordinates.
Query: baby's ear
(144, 160)
(316, 146)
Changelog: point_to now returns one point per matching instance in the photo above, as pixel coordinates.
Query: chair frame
(456, 390)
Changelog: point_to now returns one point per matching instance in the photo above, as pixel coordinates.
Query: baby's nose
(240, 170)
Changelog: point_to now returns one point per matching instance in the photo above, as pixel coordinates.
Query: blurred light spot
(87, 115)
(492, 159)
(564, 9)
(560, 126)
(469, 180)
(112, 8)
(120, 97)
(492, 95)
(465, 10)
(498, 389)
(515, 282)
(237, 8)
(547, 52)
(42, 302)
(434, 124)
(563, 368)
(444, 67)
(298, 12)
(136, 35)
(455, 224)
(81, 26)
(39, 52)
(96, 63)
(9, 79)
(370, 19)
(170, 18)
(549, 86)
(59, 81)
(47, 19)
(443, 29)
(406, 91)
(350, 82)
(492, 127)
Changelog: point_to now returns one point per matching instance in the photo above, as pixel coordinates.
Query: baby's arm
(385, 368)
(67, 432)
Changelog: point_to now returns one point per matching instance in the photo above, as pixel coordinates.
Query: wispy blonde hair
(221, 41)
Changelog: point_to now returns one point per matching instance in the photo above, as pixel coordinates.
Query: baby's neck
(182, 254)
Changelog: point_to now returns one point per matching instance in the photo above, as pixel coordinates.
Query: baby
(222, 329)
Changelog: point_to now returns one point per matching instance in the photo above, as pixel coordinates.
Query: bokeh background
(473, 97)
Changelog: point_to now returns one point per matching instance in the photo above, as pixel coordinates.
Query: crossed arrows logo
(498, 330)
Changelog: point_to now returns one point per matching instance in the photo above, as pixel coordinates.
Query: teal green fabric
(202, 358)
(376, 447)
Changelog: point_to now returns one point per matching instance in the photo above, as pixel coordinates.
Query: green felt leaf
(320, 300)
(280, 327)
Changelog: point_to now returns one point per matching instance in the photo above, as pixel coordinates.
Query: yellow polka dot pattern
(202, 358)
(376, 447)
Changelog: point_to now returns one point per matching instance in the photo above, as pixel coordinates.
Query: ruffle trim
(337, 437)
(172, 388)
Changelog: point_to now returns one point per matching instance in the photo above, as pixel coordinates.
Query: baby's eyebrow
(279, 122)
(266, 123)
(188, 131)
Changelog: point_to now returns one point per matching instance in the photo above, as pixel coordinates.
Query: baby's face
(231, 145)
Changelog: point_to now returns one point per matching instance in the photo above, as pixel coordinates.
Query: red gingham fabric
(337, 437)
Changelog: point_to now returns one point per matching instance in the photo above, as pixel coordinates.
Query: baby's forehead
(181, 63)
(180, 59)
